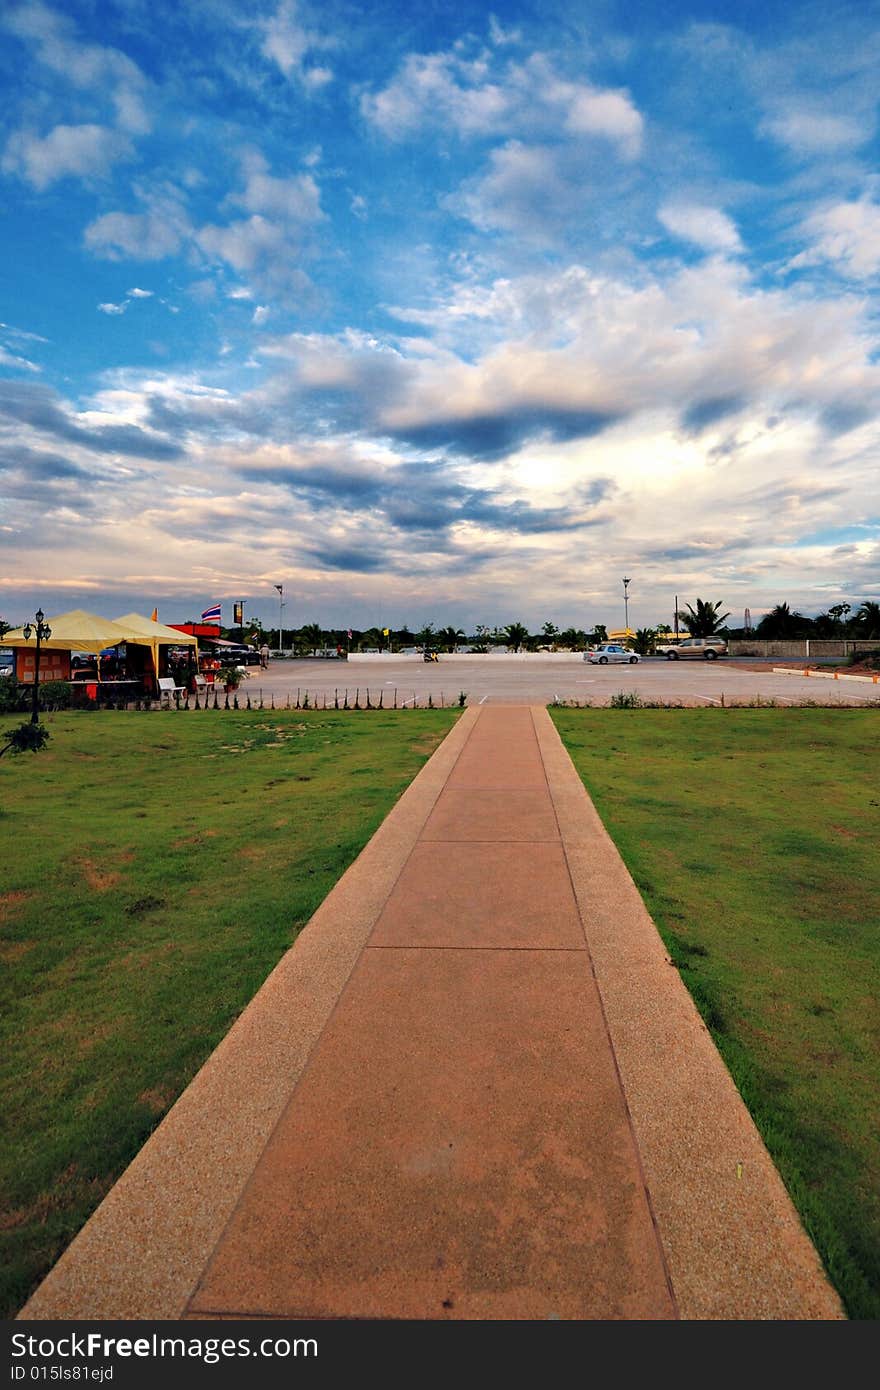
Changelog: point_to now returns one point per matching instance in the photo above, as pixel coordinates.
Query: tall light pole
(42, 632)
(626, 584)
(280, 588)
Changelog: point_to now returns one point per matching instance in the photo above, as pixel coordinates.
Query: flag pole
(280, 588)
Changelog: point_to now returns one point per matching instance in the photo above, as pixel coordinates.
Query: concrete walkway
(474, 1088)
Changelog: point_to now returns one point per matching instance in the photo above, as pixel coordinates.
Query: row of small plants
(303, 701)
(58, 695)
(631, 699)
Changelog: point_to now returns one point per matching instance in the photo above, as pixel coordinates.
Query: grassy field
(753, 837)
(155, 868)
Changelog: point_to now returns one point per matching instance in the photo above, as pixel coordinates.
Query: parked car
(7, 662)
(710, 648)
(237, 656)
(610, 652)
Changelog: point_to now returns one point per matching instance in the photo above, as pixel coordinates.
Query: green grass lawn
(753, 837)
(155, 868)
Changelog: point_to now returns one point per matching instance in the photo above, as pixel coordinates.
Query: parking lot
(508, 680)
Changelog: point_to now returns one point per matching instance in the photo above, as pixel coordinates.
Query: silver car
(609, 653)
(710, 648)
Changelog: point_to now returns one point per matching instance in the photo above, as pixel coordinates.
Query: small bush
(626, 699)
(55, 695)
(27, 738)
(12, 696)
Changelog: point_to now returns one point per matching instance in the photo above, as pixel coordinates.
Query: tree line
(703, 619)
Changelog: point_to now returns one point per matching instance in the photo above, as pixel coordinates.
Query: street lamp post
(280, 588)
(42, 632)
(626, 584)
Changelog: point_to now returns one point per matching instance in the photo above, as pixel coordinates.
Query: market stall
(73, 632)
(126, 657)
(161, 641)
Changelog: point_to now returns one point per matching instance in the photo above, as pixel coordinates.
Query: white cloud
(243, 244)
(268, 245)
(88, 66)
(9, 359)
(80, 151)
(147, 236)
(294, 199)
(465, 95)
(606, 113)
(810, 132)
(847, 235)
(287, 43)
(114, 308)
(140, 294)
(525, 189)
(438, 88)
(706, 227)
(260, 314)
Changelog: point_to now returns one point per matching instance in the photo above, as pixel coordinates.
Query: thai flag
(212, 615)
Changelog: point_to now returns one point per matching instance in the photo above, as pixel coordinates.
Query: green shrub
(626, 699)
(55, 695)
(11, 696)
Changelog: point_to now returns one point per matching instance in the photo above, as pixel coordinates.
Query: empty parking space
(508, 680)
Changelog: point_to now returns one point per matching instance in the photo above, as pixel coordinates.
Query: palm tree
(780, 624)
(868, 620)
(450, 637)
(704, 620)
(644, 640)
(598, 635)
(515, 634)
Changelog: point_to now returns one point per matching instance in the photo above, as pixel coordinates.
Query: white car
(610, 652)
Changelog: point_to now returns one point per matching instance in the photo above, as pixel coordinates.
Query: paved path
(475, 1088)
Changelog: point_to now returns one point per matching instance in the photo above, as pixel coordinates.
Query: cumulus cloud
(43, 410)
(578, 355)
(140, 294)
(80, 151)
(439, 89)
(151, 235)
(113, 308)
(268, 244)
(593, 111)
(846, 236)
(293, 200)
(812, 132)
(706, 227)
(88, 66)
(287, 43)
(524, 189)
(471, 97)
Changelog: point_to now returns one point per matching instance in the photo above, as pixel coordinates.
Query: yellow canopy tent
(76, 631)
(144, 632)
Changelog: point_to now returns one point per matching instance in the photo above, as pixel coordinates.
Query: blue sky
(439, 313)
